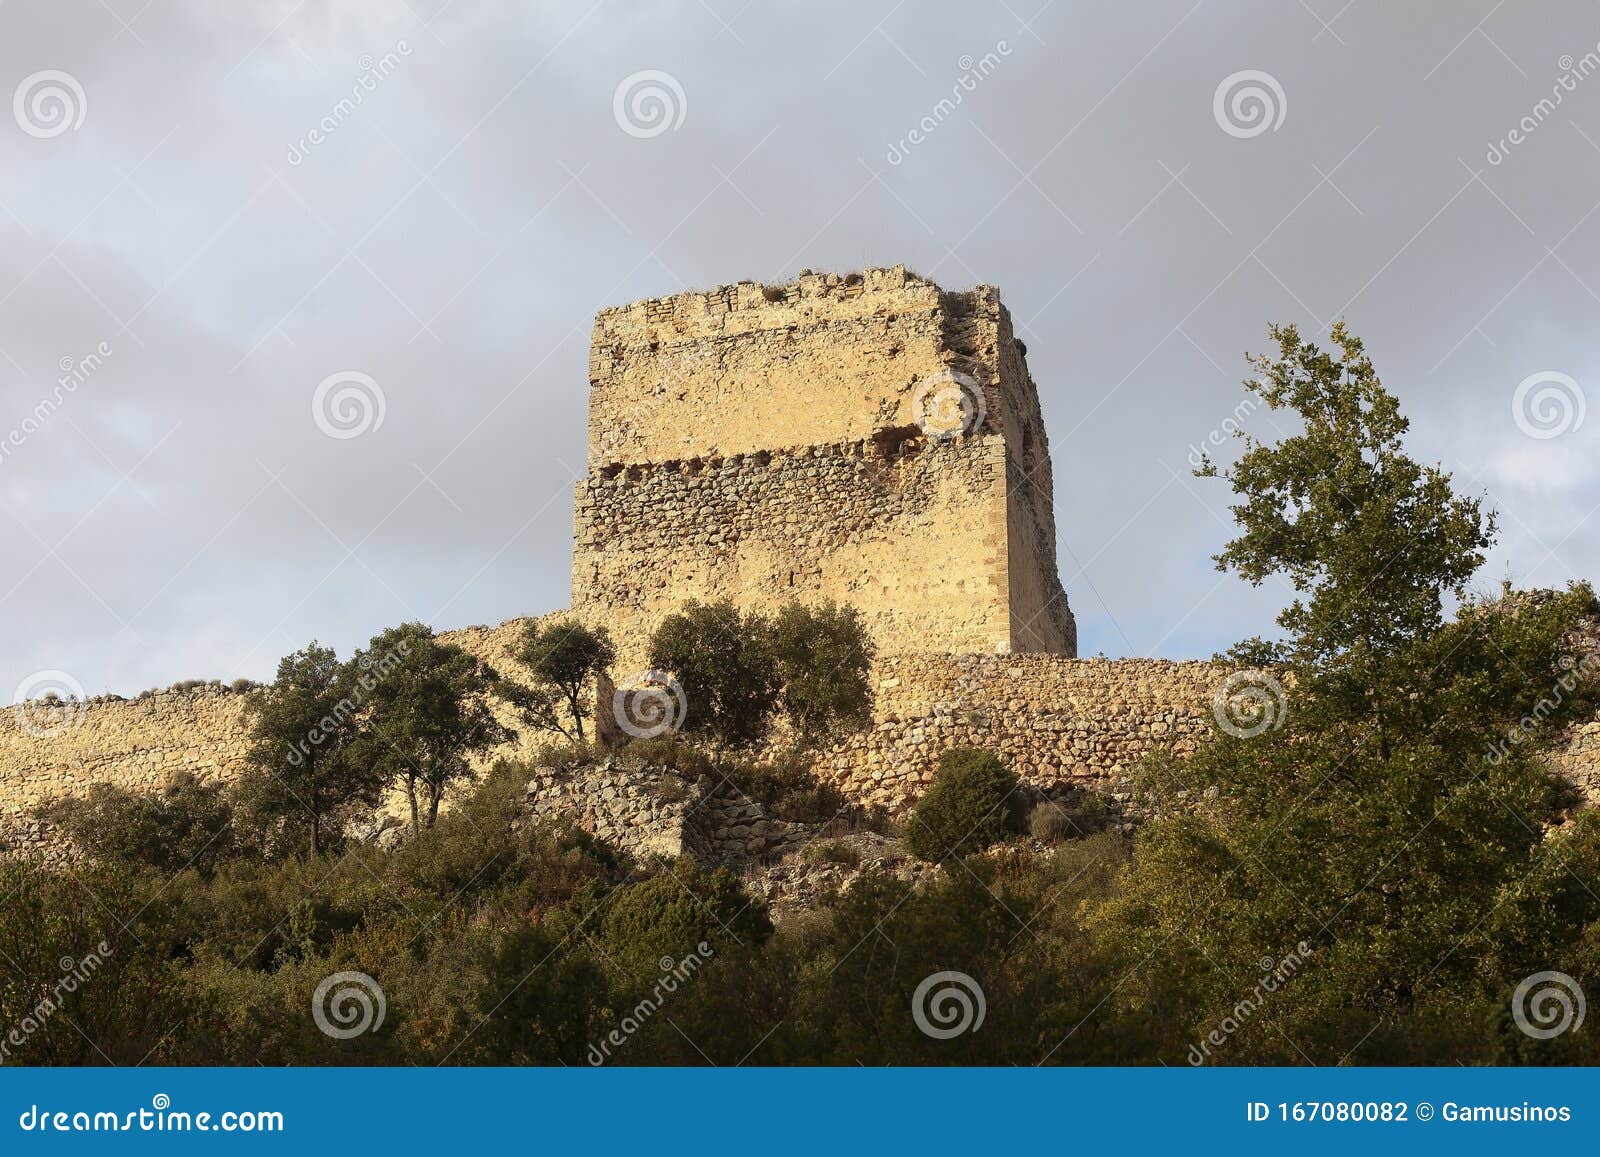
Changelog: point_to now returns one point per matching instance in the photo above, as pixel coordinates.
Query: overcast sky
(168, 221)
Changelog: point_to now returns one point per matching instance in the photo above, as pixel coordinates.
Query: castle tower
(869, 438)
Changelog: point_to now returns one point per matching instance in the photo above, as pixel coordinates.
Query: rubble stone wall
(765, 443)
(915, 541)
(1055, 721)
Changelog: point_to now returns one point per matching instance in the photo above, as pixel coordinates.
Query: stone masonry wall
(718, 421)
(915, 539)
(1055, 721)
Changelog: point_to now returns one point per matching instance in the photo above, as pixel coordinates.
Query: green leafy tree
(300, 768)
(823, 658)
(724, 664)
(1371, 540)
(188, 825)
(1372, 835)
(425, 713)
(972, 801)
(565, 658)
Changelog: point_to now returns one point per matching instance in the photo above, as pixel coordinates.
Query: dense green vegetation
(1367, 880)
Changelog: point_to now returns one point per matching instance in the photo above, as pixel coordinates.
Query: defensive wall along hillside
(868, 438)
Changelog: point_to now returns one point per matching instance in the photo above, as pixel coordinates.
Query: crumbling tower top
(869, 438)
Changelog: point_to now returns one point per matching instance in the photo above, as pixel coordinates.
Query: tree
(1371, 540)
(823, 658)
(300, 768)
(723, 663)
(970, 804)
(425, 714)
(1370, 837)
(565, 657)
(190, 824)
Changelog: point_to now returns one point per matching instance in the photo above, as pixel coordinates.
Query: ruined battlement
(869, 438)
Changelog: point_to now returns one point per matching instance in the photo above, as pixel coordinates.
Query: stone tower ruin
(869, 438)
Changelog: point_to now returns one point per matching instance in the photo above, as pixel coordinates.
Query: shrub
(832, 852)
(666, 751)
(823, 657)
(787, 789)
(972, 800)
(722, 661)
(1048, 822)
(669, 915)
(188, 825)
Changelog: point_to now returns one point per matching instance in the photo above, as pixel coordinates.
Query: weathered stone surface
(761, 443)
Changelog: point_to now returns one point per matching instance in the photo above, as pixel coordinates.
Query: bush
(972, 801)
(1048, 822)
(188, 825)
(669, 915)
(787, 789)
(722, 661)
(832, 852)
(823, 657)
